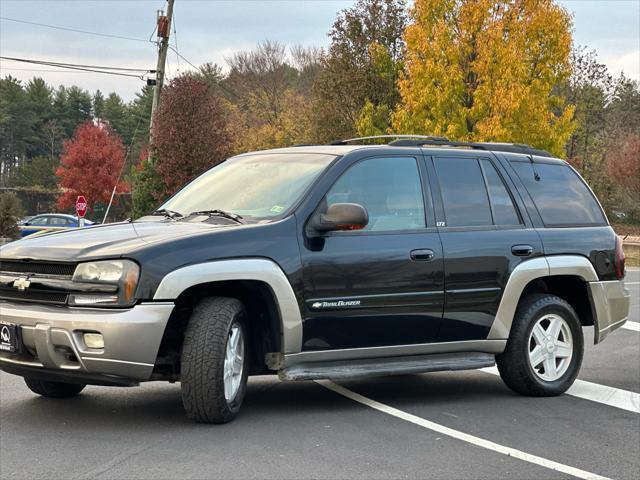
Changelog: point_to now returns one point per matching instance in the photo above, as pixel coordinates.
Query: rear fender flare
(525, 273)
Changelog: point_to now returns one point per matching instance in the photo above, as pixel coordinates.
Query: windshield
(262, 185)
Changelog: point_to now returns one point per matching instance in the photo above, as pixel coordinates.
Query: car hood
(103, 241)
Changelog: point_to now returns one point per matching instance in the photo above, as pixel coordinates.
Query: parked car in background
(49, 222)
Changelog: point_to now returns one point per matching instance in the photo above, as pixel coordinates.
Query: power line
(83, 68)
(65, 64)
(86, 32)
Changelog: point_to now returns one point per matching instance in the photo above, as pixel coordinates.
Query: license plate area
(9, 334)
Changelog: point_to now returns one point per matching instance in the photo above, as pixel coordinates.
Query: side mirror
(342, 216)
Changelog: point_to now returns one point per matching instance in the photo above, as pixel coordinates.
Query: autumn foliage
(90, 165)
(190, 133)
(486, 70)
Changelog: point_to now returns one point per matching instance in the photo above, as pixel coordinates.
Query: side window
(502, 207)
(390, 190)
(464, 194)
(561, 197)
(57, 221)
(38, 221)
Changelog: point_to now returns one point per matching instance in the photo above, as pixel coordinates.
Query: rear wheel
(54, 389)
(545, 347)
(214, 361)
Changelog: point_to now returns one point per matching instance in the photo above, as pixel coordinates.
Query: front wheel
(545, 347)
(214, 361)
(54, 389)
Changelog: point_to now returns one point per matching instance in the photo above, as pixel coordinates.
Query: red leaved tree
(90, 165)
(190, 132)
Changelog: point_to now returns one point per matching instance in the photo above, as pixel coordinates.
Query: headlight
(122, 275)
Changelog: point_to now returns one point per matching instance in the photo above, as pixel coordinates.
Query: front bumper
(610, 301)
(52, 341)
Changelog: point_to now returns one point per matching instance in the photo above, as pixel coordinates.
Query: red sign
(81, 206)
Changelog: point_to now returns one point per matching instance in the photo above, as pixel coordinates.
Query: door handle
(522, 250)
(422, 255)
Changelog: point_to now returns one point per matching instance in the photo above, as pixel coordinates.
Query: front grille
(33, 296)
(37, 268)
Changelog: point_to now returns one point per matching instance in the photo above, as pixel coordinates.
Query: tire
(552, 375)
(54, 389)
(211, 327)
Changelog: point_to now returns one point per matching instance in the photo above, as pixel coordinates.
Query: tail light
(620, 259)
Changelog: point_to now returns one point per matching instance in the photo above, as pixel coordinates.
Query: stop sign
(81, 206)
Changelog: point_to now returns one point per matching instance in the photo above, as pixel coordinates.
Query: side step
(374, 367)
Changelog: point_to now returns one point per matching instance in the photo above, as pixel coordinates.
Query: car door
(382, 285)
(34, 225)
(485, 234)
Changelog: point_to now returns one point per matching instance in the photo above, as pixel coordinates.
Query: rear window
(561, 197)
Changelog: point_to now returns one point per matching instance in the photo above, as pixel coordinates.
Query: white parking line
(465, 437)
(614, 397)
(632, 283)
(635, 326)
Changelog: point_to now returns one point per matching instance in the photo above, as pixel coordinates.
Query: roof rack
(376, 137)
(433, 141)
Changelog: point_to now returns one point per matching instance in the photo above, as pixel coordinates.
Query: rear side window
(502, 207)
(561, 197)
(466, 203)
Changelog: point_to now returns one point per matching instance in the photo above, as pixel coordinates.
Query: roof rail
(434, 141)
(376, 137)
(489, 146)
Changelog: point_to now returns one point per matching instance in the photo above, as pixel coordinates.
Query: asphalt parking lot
(437, 425)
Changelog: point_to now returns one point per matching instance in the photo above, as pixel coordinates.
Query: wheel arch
(259, 283)
(566, 276)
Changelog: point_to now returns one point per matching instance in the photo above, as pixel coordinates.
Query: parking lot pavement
(437, 425)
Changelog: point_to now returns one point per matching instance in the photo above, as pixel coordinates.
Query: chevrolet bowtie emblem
(21, 283)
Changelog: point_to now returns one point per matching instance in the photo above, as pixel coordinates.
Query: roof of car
(319, 149)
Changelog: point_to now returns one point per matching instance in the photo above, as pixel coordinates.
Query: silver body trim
(611, 302)
(485, 346)
(131, 337)
(260, 269)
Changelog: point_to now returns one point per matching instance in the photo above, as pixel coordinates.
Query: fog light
(93, 340)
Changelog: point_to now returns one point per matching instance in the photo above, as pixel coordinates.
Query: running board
(374, 367)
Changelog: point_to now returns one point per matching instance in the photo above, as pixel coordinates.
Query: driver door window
(389, 189)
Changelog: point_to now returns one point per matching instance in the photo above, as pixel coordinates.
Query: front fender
(260, 269)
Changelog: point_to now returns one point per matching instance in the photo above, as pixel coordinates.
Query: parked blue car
(49, 222)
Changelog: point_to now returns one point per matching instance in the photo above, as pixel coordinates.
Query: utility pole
(164, 30)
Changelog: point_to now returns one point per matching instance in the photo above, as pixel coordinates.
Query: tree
(90, 165)
(361, 69)
(36, 173)
(10, 213)
(16, 126)
(190, 133)
(115, 112)
(97, 104)
(486, 70)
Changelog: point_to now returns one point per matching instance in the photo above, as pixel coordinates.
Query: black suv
(332, 261)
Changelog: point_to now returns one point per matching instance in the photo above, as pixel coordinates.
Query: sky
(212, 30)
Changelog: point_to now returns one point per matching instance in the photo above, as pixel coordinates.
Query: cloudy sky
(209, 30)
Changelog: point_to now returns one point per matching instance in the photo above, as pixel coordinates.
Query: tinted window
(464, 194)
(504, 212)
(38, 221)
(560, 195)
(58, 221)
(390, 190)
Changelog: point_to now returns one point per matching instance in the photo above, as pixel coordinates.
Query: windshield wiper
(167, 213)
(218, 213)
